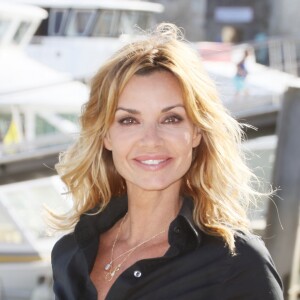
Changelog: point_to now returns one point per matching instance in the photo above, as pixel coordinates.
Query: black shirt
(196, 266)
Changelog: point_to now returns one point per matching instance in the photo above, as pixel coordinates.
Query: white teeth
(152, 162)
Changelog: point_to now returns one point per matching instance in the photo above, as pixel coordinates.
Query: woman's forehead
(160, 85)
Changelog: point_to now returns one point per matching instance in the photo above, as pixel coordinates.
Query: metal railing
(42, 146)
(279, 53)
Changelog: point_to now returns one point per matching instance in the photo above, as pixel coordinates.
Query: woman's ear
(107, 142)
(197, 136)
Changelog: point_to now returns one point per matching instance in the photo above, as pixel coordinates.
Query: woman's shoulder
(252, 268)
(65, 245)
(247, 241)
(70, 269)
(249, 273)
(250, 253)
(250, 248)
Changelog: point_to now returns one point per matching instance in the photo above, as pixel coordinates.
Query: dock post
(283, 214)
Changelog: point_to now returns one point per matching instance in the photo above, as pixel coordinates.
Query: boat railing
(279, 53)
(45, 145)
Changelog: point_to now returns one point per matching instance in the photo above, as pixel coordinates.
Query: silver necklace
(109, 268)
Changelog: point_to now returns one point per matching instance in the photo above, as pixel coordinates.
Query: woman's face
(151, 137)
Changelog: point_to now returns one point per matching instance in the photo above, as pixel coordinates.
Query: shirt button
(177, 229)
(137, 274)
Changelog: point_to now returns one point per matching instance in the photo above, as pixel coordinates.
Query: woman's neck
(149, 213)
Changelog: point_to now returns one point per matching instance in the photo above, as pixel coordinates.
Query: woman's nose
(152, 135)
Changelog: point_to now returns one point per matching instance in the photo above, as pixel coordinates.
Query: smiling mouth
(153, 162)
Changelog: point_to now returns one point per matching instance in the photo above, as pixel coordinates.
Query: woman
(159, 187)
(241, 75)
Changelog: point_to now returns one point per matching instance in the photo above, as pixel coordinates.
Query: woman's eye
(173, 119)
(128, 121)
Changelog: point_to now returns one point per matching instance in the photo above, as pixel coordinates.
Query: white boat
(17, 29)
(80, 35)
(25, 245)
(31, 94)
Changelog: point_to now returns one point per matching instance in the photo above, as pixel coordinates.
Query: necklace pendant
(112, 274)
(107, 267)
(108, 277)
(117, 269)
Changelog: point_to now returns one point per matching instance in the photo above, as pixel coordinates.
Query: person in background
(241, 75)
(159, 187)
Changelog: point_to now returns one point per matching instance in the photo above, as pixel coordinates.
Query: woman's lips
(153, 163)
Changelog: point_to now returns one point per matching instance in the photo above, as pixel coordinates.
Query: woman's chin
(152, 186)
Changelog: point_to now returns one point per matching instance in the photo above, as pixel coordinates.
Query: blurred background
(50, 49)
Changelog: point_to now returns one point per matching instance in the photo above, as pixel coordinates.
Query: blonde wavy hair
(218, 180)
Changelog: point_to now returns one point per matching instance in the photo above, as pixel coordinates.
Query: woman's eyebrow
(171, 107)
(136, 112)
(129, 110)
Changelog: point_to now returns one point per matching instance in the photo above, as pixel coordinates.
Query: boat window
(27, 201)
(43, 28)
(106, 23)
(144, 20)
(4, 25)
(79, 23)
(57, 21)
(132, 21)
(5, 120)
(21, 32)
(43, 127)
(127, 22)
(9, 233)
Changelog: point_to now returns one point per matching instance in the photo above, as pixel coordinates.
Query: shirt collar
(186, 212)
(92, 223)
